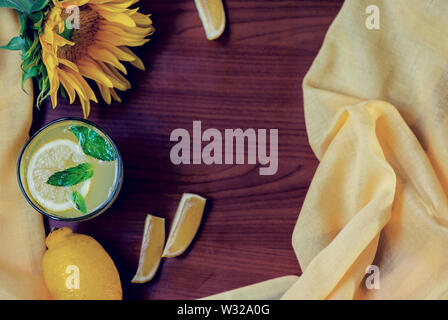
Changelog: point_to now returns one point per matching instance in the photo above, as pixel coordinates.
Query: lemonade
(70, 170)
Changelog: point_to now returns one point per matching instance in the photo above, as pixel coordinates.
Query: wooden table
(249, 78)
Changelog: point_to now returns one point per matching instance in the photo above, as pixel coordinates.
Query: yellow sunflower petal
(121, 78)
(54, 92)
(100, 1)
(141, 19)
(142, 32)
(115, 95)
(137, 30)
(121, 18)
(78, 3)
(85, 104)
(60, 41)
(57, 4)
(122, 4)
(138, 63)
(134, 33)
(119, 82)
(69, 64)
(119, 53)
(110, 37)
(105, 93)
(76, 85)
(105, 55)
(67, 86)
(87, 89)
(114, 9)
(91, 70)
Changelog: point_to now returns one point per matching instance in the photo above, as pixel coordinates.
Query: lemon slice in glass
(185, 225)
(52, 157)
(151, 249)
(212, 16)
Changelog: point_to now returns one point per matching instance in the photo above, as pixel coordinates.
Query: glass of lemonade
(70, 170)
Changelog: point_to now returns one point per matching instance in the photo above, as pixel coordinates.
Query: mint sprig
(79, 201)
(71, 176)
(93, 144)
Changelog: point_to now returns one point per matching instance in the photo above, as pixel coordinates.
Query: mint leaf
(71, 176)
(93, 144)
(16, 43)
(79, 201)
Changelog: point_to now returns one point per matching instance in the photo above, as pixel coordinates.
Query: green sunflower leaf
(19, 5)
(23, 23)
(32, 48)
(44, 90)
(38, 5)
(37, 18)
(30, 73)
(31, 62)
(16, 43)
(67, 33)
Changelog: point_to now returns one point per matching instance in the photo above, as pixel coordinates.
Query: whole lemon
(76, 267)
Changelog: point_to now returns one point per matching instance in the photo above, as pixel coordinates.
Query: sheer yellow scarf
(21, 229)
(379, 196)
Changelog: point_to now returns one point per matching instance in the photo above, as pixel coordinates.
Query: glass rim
(106, 203)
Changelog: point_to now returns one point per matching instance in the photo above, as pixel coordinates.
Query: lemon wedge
(185, 225)
(151, 249)
(52, 157)
(212, 16)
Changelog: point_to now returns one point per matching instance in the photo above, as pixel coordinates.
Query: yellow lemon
(76, 267)
(212, 16)
(185, 225)
(151, 249)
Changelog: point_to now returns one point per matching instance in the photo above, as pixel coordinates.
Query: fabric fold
(21, 228)
(376, 111)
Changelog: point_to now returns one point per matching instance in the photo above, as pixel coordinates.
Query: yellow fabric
(379, 195)
(266, 290)
(21, 228)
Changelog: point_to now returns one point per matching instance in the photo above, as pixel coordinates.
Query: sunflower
(95, 51)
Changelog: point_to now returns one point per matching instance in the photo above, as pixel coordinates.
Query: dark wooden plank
(249, 78)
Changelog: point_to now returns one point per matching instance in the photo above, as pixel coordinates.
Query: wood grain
(249, 78)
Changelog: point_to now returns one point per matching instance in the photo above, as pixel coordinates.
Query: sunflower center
(82, 37)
